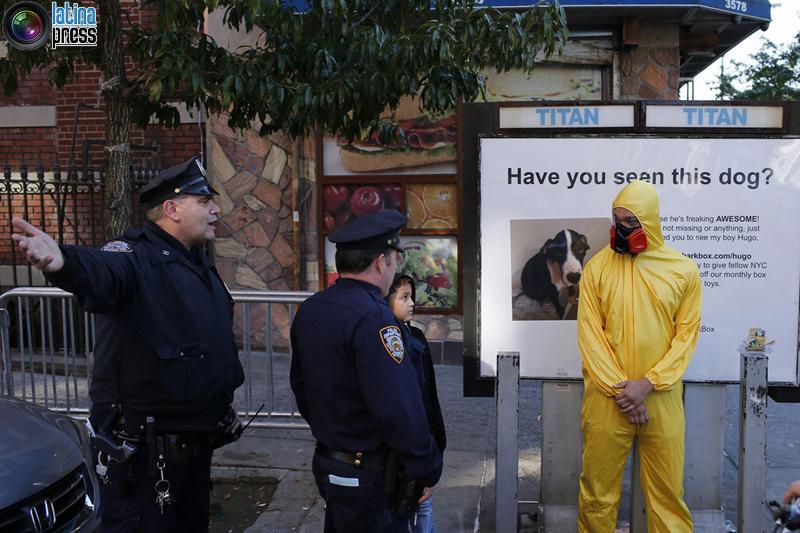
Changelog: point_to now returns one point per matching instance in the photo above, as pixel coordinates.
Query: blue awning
(754, 9)
(725, 22)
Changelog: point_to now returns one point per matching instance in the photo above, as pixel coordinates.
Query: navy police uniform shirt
(354, 382)
(165, 344)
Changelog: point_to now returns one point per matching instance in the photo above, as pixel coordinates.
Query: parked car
(46, 478)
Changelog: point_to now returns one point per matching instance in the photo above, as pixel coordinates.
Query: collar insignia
(393, 342)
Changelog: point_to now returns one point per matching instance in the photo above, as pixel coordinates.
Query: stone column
(650, 69)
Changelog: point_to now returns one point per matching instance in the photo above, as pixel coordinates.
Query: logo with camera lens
(26, 25)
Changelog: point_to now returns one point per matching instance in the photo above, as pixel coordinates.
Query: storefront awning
(709, 28)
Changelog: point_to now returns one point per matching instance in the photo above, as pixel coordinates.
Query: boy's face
(401, 303)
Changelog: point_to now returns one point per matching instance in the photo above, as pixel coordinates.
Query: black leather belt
(179, 446)
(373, 459)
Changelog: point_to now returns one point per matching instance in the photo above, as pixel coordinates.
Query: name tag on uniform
(343, 481)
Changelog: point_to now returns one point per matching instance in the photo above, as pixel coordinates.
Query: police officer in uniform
(356, 386)
(166, 364)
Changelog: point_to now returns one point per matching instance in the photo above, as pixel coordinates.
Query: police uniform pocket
(183, 372)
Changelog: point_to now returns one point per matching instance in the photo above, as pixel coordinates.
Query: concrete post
(561, 457)
(752, 442)
(702, 472)
(507, 454)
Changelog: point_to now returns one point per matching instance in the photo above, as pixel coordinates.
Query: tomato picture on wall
(343, 203)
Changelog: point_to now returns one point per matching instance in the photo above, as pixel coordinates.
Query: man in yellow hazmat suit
(638, 320)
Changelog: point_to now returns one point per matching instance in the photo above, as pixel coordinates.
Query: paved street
(464, 499)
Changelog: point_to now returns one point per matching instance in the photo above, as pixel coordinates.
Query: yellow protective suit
(638, 316)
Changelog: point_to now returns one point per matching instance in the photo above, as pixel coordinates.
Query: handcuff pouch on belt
(404, 492)
(113, 448)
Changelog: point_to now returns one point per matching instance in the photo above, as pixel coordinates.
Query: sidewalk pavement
(463, 500)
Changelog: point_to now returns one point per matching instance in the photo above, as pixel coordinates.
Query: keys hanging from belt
(163, 497)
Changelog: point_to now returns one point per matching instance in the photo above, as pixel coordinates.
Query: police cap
(186, 178)
(373, 232)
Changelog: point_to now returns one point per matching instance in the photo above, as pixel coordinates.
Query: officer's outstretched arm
(99, 279)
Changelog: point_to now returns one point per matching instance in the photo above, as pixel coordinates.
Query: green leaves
(773, 73)
(336, 66)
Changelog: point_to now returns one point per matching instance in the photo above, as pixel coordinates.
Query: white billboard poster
(732, 205)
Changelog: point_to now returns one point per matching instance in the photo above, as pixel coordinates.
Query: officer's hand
(234, 426)
(40, 249)
(792, 493)
(427, 492)
(639, 415)
(633, 393)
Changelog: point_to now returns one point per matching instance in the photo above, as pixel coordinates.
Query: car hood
(37, 448)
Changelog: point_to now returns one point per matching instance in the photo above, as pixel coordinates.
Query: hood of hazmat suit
(638, 316)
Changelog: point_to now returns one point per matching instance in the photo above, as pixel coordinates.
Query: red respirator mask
(628, 240)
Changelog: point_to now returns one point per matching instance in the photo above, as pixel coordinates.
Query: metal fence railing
(48, 352)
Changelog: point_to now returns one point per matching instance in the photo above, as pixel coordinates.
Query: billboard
(730, 204)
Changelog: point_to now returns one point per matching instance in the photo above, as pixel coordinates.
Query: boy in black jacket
(401, 302)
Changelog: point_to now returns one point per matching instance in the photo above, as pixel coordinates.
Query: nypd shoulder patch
(393, 342)
(117, 246)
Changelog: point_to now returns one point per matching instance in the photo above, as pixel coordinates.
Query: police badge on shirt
(393, 342)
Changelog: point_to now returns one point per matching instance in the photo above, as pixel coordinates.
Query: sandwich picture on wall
(424, 144)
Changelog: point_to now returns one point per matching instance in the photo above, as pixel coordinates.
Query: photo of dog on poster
(547, 259)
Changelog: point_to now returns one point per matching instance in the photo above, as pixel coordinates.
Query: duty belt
(373, 459)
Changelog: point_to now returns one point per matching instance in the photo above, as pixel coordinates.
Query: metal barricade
(48, 352)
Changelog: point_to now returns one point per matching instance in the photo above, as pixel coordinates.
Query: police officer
(166, 364)
(356, 386)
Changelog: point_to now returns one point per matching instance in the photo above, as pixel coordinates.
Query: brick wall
(177, 145)
(27, 145)
(32, 90)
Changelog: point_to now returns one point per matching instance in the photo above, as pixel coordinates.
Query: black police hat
(373, 232)
(186, 178)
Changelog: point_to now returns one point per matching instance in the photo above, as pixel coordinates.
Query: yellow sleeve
(670, 369)
(597, 356)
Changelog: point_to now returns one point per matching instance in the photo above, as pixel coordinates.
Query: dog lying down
(556, 268)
